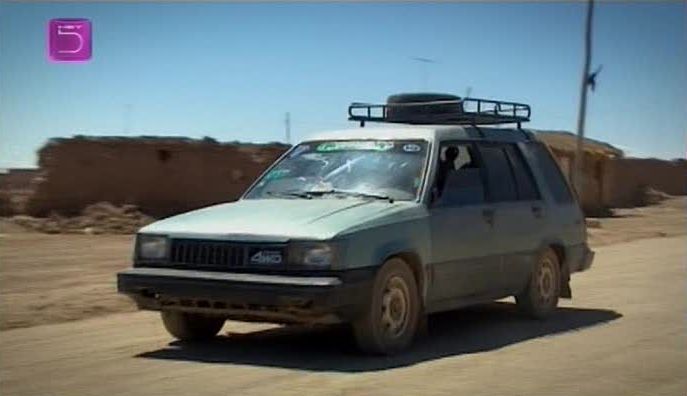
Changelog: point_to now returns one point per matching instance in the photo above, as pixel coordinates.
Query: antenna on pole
(424, 62)
(468, 91)
(287, 126)
(579, 152)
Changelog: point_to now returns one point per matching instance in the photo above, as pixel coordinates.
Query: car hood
(282, 219)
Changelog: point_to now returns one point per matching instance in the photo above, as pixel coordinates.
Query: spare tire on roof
(421, 112)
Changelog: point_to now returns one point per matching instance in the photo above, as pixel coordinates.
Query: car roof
(426, 132)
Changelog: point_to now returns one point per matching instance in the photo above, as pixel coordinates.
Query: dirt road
(623, 334)
(56, 278)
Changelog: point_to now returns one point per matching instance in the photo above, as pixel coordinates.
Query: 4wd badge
(264, 257)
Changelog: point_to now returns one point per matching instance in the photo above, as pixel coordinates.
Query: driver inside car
(446, 165)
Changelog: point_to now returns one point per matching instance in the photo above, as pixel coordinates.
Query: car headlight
(313, 255)
(152, 247)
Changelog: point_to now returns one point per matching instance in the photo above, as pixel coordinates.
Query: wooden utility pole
(579, 152)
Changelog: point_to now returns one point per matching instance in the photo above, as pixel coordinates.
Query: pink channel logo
(69, 40)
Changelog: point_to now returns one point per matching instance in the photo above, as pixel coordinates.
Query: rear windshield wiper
(350, 193)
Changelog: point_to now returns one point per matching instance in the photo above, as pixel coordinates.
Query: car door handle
(537, 211)
(488, 215)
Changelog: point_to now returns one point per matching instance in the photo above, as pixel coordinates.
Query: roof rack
(462, 111)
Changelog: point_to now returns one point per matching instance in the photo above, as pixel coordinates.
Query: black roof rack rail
(462, 111)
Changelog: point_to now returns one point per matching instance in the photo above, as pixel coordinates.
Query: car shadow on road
(471, 330)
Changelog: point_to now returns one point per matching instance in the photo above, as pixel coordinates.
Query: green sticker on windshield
(277, 174)
(355, 145)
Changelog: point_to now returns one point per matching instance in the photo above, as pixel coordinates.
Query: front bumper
(241, 296)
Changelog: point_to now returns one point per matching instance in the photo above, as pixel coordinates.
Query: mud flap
(422, 327)
(566, 292)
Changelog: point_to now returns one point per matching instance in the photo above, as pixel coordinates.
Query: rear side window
(527, 188)
(553, 177)
(458, 178)
(499, 176)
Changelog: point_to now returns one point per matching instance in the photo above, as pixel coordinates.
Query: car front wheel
(390, 322)
(191, 326)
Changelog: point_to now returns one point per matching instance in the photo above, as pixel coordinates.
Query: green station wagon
(376, 227)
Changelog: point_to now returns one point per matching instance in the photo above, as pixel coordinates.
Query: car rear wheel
(191, 326)
(390, 323)
(540, 297)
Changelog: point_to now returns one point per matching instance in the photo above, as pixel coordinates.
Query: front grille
(207, 253)
(225, 254)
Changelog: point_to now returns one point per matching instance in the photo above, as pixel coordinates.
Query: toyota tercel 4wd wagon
(376, 227)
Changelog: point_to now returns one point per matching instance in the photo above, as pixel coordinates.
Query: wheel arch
(561, 253)
(414, 261)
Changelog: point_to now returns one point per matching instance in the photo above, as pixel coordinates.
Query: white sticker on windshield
(411, 148)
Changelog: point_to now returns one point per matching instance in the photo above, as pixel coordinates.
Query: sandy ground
(624, 333)
(667, 219)
(56, 278)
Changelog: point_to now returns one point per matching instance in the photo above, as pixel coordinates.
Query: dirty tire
(540, 297)
(390, 322)
(190, 326)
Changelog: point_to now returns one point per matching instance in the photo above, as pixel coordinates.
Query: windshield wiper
(350, 193)
(293, 194)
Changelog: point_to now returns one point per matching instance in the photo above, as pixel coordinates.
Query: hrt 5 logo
(69, 40)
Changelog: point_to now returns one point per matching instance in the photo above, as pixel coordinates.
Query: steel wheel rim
(395, 307)
(546, 281)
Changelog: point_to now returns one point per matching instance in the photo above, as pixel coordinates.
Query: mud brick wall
(628, 176)
(162, 176)
(592, 177)
(16, 186)
(17, 179)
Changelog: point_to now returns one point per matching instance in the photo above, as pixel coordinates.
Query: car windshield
(380, 169)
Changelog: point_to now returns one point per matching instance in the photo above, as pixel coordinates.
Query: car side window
(458, 179)
(524, 181)
(499, 174)
(553, 177)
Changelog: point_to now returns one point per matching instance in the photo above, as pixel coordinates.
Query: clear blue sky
(231, 71)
